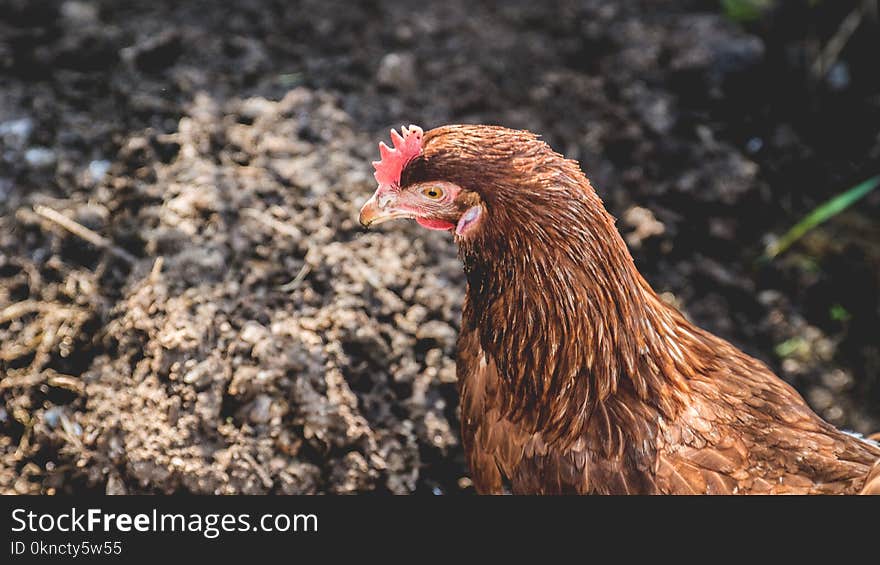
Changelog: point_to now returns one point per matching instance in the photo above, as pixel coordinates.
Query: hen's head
(458, 178)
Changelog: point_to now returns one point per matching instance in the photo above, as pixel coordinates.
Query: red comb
(406, 147)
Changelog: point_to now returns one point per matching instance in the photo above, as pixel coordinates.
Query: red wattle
(435, 224)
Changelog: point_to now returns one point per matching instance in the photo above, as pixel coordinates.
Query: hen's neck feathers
(557, 301)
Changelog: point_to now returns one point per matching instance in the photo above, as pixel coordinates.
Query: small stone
(437, 331)
(192, 376)
(92, 216)
(416, 314)
(820, 398)
(769, 297)
(754, 145)
(253, 333)
(837, 380)
(835, 415)
(722, 228)
(15, 133)
(52, 417)
(40, 157)
(260, 412)
(256, 107)
(79, 13)
(397, 70)
(838, 77)
(115, 486)
(645, 225)
(98, 169)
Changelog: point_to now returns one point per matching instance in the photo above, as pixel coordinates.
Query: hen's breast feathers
(741, 430)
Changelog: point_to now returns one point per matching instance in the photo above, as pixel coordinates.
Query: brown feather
(576, 378)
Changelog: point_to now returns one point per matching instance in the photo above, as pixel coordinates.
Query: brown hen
(574, 376)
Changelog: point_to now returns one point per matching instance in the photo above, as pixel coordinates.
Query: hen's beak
(373, 214)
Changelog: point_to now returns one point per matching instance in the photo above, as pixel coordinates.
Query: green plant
(820, 214)
(839, 314)
(794, 347)
(745, 11)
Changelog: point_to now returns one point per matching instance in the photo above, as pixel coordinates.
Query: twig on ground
(298, 279)
(20, 309)
(48, 376)
(261, 472)
(828, 57)
(83, 232)
(156, 271)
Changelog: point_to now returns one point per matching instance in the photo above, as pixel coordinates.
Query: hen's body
(574, 376)
(739, 430)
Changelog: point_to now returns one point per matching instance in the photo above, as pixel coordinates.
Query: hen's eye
(433, 192)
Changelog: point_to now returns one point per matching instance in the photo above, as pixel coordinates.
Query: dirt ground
(232, 329)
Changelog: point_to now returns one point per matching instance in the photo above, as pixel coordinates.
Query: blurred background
(187, 304)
